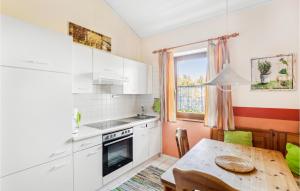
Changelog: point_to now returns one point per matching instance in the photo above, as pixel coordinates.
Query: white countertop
(85, 132)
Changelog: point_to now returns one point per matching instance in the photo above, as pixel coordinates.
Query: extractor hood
(108, 80)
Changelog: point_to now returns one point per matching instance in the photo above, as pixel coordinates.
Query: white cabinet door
(36, 117)
(56, 175)
(140, 144)
(107, 65)
(150, 79)
(131, 75)
(154, 140)
(28, 46)
(136, 77)
(88, 169)
(82, 69)
(142, 78)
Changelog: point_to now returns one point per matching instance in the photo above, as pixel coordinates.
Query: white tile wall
(98, 107)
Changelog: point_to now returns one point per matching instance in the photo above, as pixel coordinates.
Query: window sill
(190, 120)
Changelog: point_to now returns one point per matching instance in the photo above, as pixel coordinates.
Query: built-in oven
(117, 150)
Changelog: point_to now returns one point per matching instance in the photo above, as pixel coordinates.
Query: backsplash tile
(98, 107)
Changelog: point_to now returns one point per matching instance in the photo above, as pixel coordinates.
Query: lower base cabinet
(56, 175)
(146, 142)
(154, 140)
(140, 144)
(88, 169)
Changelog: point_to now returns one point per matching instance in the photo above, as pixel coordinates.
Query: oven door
(117, 153)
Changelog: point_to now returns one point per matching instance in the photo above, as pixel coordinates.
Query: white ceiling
(149, 17)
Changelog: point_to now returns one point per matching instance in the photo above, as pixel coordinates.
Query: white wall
(266, 30)
(92, 14)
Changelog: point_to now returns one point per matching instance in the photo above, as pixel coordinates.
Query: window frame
(186, 115)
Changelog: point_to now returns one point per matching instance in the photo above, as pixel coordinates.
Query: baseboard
(168, 156)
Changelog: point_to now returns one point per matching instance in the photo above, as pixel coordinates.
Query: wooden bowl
(234, 164)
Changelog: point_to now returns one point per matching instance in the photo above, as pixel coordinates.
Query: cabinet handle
(85, 144)
(35, 62)
(107, 70)
(57, 153)
(56, 167)
(92, 153)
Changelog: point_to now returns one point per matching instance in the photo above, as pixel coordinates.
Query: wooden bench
(267, 139)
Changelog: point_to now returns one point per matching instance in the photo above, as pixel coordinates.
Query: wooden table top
(272, 172)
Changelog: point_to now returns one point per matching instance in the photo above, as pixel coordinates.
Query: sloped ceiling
(149, 17)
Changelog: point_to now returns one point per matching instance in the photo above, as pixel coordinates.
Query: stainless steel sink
(137, 118)
(143, 117)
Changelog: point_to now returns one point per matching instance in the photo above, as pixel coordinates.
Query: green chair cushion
(293, 157)
(238, 137)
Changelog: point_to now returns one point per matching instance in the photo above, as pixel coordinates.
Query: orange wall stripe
(268, 113)
(260, 123)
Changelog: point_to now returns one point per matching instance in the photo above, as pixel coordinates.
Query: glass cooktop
(106, 124)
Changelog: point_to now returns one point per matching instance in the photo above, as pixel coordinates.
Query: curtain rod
(198, 42)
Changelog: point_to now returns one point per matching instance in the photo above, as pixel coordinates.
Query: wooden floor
(163, 162)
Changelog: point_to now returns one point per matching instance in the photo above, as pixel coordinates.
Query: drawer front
(87, 143)
(150, 125)
(56, 175)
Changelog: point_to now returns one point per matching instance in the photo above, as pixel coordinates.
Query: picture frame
(273, 73)
(89, 37)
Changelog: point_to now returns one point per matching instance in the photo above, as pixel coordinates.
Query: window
(190, 74)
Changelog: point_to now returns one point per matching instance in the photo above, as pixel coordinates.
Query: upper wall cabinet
(82, 69)
(28, 46)
(136, 77)
(107, 67)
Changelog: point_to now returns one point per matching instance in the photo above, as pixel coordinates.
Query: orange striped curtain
(167, 86)
(225, 118)
(210, 118)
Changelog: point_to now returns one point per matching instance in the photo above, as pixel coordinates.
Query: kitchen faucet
(143, 110)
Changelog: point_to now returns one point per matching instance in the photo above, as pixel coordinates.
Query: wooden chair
(194, 180)
(182, 141)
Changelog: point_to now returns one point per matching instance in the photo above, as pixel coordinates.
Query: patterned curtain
(225, 118)
(210, 118)
(167, 86)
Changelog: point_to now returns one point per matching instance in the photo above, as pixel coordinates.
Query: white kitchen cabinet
(28, 46)
(140, 144)
(150, 80)
(88, 169)
(136, 77)
(55, 175)
(82, 68)
(36, 116)
(154, 140)
(107, 66)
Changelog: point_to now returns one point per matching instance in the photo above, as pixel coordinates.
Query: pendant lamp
(227, 77)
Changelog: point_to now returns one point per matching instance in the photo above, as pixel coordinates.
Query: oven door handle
(119, 140)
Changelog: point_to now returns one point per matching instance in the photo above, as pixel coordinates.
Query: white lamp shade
(227, 77)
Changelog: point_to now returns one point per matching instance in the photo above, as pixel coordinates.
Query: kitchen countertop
(85, 132)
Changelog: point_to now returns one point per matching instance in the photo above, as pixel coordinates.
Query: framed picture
(90, 38)
(273, 73)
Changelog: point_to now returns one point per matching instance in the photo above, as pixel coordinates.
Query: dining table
(271, 171)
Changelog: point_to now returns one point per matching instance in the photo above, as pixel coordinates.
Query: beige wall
(93, 14)
(266, 30)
